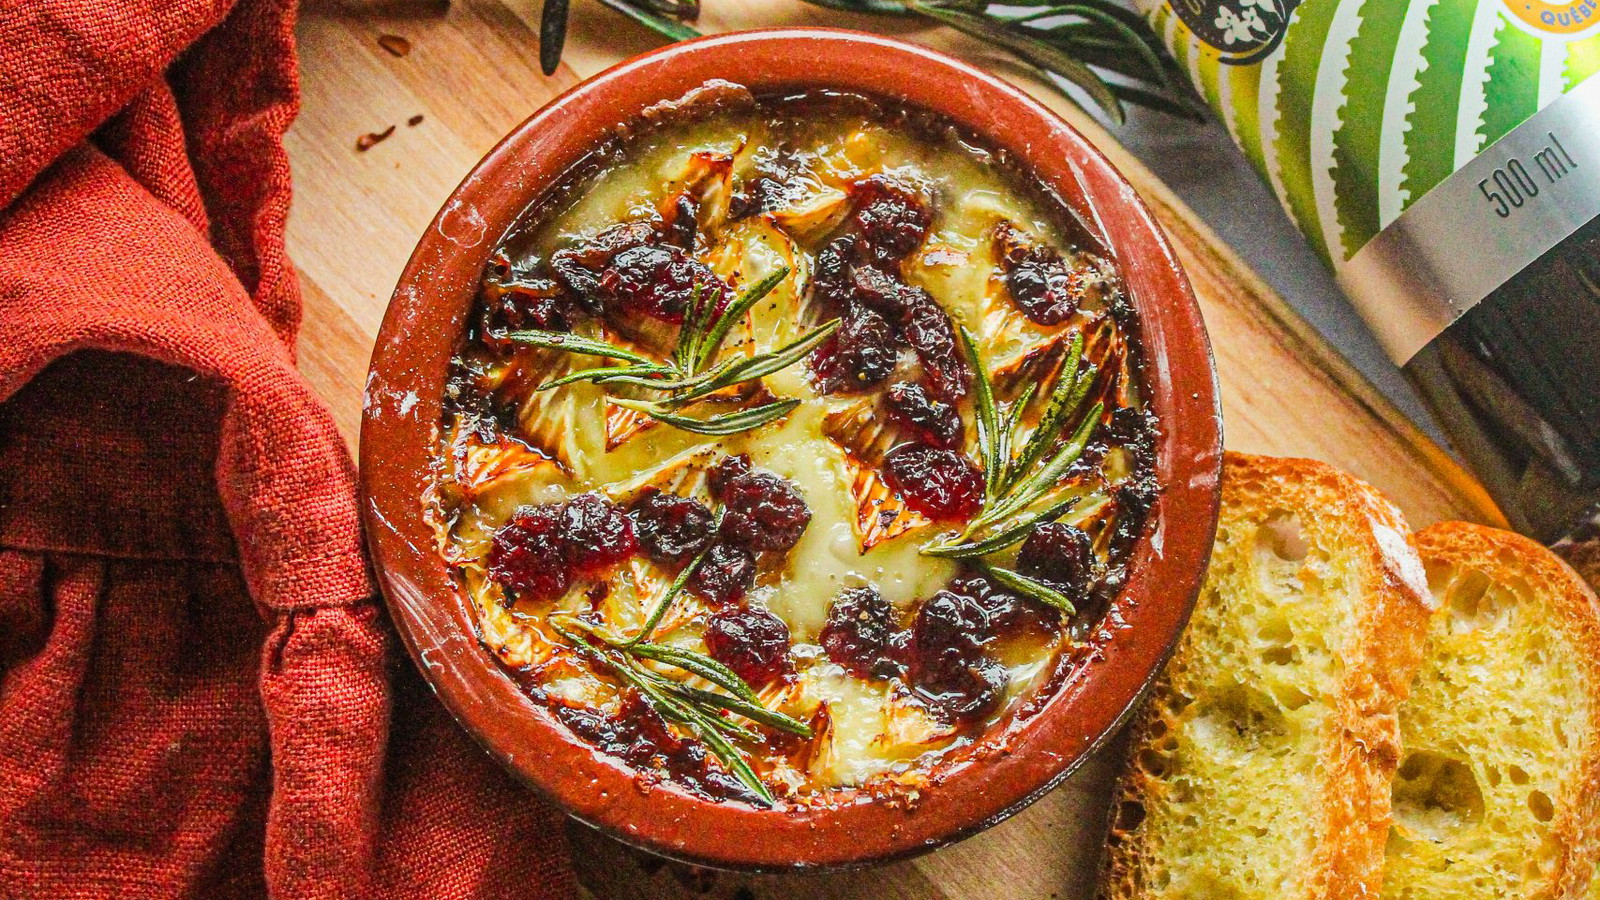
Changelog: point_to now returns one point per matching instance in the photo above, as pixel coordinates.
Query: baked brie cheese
(797, 442)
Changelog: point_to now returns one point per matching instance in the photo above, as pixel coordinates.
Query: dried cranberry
(752, 642)
(580, 266)
(931, 334)
(948, 664)
(832, 284)
(638, 735)
(1007, 612)
(541, 304)
(657, 281)
(725, 575)
(1038, 280)
(857, 356)
(1044, 290)
(863, 634)
(933, 421)
(727, 469)
(597, 533)
(763, 512)
(890, 218)
(883, 292)
(1058, 555)
(967, 692)
(671, 529)
(515, 296)
(527, 557)
(941, 484)
(923, 324)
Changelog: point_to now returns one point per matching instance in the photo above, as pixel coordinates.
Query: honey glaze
(843, 570)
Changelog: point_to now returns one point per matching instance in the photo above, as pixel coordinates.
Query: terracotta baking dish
(1019, 759)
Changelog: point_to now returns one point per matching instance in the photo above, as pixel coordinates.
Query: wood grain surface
(471, 74)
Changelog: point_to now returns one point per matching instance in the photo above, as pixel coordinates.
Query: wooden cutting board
(466, 72)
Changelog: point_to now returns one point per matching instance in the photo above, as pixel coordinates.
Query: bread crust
(1361, 739)
(1506, 558)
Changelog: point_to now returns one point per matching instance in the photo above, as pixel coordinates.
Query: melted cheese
(876, 729)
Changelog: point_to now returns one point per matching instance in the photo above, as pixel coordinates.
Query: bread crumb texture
(1268, 729)
(1494, 797)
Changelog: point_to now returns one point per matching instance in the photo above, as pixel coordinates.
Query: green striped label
(1355, 109)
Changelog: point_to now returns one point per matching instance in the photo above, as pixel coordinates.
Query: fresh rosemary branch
(1082, 43)
(1022, 584)
(701, 711)
(685, 379)
(1014, 483)
(1104, 50)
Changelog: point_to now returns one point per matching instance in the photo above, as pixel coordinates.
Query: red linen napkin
(199, 694)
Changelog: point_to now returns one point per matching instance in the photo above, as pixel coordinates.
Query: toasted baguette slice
(1260, 767)
(1497, 791)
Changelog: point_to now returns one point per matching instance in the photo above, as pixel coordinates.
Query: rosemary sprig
(1022, 584)
(1107, 52)
(709, 727)
(684, 379)
(703, 712)
(1014, 483)
(724, 423)
(1081, 43)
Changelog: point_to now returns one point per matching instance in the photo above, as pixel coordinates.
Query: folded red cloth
(199, 694)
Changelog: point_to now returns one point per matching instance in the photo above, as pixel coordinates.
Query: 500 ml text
(1512, 184)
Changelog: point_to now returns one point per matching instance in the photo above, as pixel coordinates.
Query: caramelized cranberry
(727, 469)
(931, 334)
(671, 529)
(832, 285)
(967, 692)
(725, 575)
(1044, 290)
(515, 297)
(1134, 499)
(1039, 281)
(890, 218)
(863, 634)
(941, 484)
(1130, 427)
(657, 281)
(763, 512)
(637, 735)
(1008, 613)
(752, 642)
(948, 663)
(883, 292)
(923, 324)
(527, 557)
(857, 356)
(934, 421)
(1058, 555)
(598, 535)
(580, 266)
(538, 304)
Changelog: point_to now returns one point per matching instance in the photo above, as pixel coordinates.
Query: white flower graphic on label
(1238, 28)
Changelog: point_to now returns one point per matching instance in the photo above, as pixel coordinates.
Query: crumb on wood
(395, 44)
(368, 141)
(414, 121)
